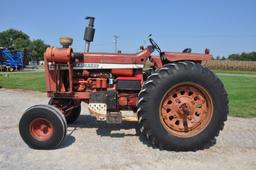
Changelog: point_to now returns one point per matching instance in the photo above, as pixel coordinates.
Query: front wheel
(182, 106)
(42, 127)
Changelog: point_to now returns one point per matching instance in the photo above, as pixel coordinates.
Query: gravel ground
(96, 145)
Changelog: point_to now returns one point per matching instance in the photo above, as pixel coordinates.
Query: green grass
(28, 81)
(241, 90)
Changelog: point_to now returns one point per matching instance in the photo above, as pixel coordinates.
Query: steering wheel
(154, 44)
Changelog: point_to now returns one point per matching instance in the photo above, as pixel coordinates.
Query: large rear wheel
(182, 106)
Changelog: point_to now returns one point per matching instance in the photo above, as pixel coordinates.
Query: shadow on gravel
(103, 128)
(144, 140)
(69, 140)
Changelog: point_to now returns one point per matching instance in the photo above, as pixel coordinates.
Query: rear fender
(175, 57)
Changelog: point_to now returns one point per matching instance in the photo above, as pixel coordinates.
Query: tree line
(243, 56)
(251, 56)
(18, 40)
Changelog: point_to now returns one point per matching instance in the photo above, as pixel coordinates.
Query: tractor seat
(187, 50)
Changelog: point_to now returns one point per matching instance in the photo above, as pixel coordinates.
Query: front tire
(182, 106)
(42, 127)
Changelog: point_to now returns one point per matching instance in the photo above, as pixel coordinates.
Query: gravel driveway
(93, 145)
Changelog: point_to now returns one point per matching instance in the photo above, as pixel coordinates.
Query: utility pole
(115, 38)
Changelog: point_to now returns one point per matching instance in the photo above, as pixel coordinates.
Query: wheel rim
(186, 109)
(41, 129)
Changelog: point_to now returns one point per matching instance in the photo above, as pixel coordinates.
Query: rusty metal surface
(186, 109)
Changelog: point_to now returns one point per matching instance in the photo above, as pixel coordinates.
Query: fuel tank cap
(66, 41)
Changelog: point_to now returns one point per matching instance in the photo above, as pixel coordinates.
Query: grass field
(242, 92)
(28, 81)
(241, 89)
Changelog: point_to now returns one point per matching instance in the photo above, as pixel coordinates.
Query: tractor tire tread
(153, 81)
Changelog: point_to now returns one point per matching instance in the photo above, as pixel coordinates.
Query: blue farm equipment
(10, 60)
(18, 57)
(7, 61)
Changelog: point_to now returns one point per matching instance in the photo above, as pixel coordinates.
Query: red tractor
(179, 104)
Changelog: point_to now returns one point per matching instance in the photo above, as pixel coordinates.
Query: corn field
(231, 65)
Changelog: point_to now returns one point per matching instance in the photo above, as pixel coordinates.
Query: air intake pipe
(89, 33)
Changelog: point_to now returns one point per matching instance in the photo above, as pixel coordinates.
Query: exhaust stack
(89, 33)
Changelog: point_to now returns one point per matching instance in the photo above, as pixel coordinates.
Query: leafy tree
(36, 49)
(243, 56)
(21, 44)
(14, 38)
(223, 58)
(233, 57)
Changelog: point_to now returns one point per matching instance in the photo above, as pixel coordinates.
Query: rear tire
(42, 127)
(147, 73)
(168, 126)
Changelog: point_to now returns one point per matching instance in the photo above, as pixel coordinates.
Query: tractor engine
(108, 82)
(111, 90)
(118, 88)
(109, 86)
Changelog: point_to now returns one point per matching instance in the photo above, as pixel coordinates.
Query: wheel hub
(41, 129)
(183, 105)
(186, 109)
(44, 128)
